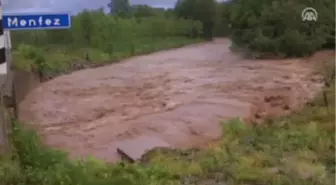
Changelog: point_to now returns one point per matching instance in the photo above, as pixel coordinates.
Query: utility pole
(4, 142)
(3, 65)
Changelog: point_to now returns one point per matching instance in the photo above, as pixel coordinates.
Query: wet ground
(177, 95)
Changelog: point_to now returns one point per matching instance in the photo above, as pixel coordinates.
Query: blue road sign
(36, 21)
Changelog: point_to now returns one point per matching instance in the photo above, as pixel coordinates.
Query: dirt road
(178, 95)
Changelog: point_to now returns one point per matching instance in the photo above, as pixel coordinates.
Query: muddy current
(178, 95)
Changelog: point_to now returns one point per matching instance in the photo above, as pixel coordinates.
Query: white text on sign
(16, 22)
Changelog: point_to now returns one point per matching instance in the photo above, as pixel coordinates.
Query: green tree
(121, 8)
(200, 10)
(169, 12)
(276, 27)
(86, 25)
(111, 34)
(142, 11)
(222, 24)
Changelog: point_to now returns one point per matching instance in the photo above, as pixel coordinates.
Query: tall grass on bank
(96, 39)
(298, 149)
(52, 61)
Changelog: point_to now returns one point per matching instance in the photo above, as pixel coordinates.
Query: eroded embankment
(177, 95)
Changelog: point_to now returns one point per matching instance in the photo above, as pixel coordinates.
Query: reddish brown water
(178, 95)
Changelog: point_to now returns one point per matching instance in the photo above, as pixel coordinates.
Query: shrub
(277, 26)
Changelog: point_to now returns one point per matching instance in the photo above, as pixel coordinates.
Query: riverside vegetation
(295, 149)
(96, 39)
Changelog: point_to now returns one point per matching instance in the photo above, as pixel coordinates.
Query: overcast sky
(70, 5)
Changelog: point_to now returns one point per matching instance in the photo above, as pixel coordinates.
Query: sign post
(3, 66)
(11, 22)
(4, 145)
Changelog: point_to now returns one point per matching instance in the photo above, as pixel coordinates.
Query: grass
(54, 60)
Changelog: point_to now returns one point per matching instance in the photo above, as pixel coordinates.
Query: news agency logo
(309, 14)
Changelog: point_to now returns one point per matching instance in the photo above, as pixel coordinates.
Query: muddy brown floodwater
(178, 95)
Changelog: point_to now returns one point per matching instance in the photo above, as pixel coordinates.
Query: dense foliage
(96, 38)
(270, 27)
(201, 10)
(101, 31)
(276, 26)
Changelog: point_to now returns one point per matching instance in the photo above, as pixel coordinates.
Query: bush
(94, 29)
(277, 26)
(97, 38)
